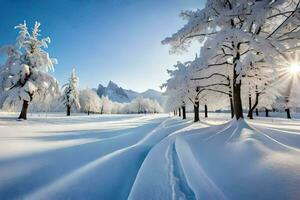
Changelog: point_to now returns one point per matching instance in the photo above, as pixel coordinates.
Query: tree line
(248, 58)
(25, 78)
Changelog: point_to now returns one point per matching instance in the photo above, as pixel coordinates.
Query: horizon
(111, 38)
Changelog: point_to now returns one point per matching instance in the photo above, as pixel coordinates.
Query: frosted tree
(266, 102)
(70, 97)
(106, 105)
(178, 88)
(156, 107)
(287, 83)
(13, 56)
(259, 83)
(142, 105)
(117, 108)
(89, 101)
(184, 88)
(25, 74)
(214, 81)
(240, 30)
(173, 101)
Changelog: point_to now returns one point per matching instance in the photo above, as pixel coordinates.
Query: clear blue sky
(103, 40)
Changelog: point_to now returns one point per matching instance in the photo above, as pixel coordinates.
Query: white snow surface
(51, 156)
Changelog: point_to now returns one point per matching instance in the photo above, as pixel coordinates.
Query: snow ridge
(178, 184)
(199, 181)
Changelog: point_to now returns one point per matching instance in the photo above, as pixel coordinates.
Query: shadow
(76, 119)
(30, 172)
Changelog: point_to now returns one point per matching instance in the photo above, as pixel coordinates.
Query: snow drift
(148, 157)
(230, 161)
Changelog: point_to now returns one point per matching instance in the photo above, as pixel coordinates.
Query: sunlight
(294, 68)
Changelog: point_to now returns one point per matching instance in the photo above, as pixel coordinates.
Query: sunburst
(294, 68)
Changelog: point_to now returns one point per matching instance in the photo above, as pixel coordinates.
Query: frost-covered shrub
(89, 101)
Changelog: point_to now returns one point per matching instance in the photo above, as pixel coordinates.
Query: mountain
(153, 94)
(118, 94)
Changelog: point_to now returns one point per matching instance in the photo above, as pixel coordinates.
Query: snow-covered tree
(25, 73)
(213, 83)
(142, 105)
(178, 88)
(188, 84)
(117, 108)
(106, 105)
(258, 84)
(89, 101)
(289, 77)
(13, 55)
(243, 32)
(70, 97)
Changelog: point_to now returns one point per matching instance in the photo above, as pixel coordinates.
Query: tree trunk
(174, 113)
(250, 113)
(196, 111)
(288, 113)
(231, 106)
(256, 112)
(205, 111)
(23, 114)
(267, 112)
(179, 112)
(68, 110)
(237, 101)
(183, 112)
(250, 107)
(88, 112)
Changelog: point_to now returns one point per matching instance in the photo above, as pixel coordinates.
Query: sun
(294, 68)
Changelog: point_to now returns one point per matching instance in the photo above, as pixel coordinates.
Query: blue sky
(103, 40)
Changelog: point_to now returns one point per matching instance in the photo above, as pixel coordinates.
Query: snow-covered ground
(148, 157)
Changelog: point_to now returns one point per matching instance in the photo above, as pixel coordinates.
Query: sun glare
(295, 68)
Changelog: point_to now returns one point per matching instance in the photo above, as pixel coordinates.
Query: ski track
(202, 187)
(182, 165)
(179, 187)
(61, 185)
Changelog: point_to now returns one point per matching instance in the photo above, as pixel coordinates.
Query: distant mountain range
(118, 94)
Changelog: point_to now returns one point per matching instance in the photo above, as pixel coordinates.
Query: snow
(246, 50)
(24, 76)
(120, 95)
(70, 92)
(52, 156)
(242, 55)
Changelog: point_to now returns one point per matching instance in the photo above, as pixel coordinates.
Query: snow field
(148, 157)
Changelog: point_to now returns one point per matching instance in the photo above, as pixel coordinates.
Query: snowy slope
(230, 161)
(48, 159)
(148, 157)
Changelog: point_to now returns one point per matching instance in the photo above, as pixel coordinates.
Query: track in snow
(147, 157)
(97, 164)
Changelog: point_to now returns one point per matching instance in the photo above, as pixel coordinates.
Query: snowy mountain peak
(112, 85)
(118, 94)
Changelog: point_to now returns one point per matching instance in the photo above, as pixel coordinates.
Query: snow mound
(230, 161)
